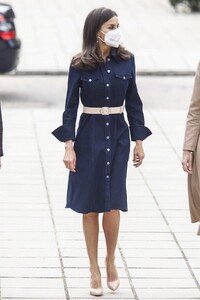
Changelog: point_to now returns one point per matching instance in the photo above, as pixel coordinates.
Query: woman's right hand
(70, 156)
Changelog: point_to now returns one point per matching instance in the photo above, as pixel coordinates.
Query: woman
(191, 151)
(104, 75)
(1, 137)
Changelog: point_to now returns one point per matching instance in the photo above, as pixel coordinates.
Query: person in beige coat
(191, 151)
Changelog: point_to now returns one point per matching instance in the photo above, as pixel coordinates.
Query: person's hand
(138, 154)
(187, 161)
(70, 156)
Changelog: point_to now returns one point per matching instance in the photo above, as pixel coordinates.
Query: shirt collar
(113, 53)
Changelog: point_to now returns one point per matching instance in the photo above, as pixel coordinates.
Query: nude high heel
(95, 285)
(96, 292)
(113, 284)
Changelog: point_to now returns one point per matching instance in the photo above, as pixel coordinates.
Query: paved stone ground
(42, 251)
(162, 40)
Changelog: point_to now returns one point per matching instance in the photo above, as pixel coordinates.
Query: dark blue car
(9, 43)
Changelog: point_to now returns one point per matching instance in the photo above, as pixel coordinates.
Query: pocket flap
(123, 76)
(89, 79)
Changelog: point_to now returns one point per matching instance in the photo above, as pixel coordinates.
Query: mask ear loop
(98, 37)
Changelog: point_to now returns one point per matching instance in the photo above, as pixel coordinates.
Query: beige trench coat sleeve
(193, 118)
(192, 143)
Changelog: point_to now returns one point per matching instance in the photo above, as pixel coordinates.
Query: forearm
(193, 119)
(138, 142)
(68, 144)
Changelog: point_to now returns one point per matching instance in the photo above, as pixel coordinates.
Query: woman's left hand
(138, 154)
(187, 159)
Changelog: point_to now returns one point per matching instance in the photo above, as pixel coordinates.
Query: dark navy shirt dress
(102, 142)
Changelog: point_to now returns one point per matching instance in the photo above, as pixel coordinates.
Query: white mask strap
(102, 32)
(98, 37)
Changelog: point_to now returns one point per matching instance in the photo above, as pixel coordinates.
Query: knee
(90, 216)
(114, 212)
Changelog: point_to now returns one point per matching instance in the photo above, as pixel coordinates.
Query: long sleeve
(67, 130)
(192, 130)
(134, 108)
(1, 134)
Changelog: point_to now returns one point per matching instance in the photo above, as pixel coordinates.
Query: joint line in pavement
(51, 211)
(128, 273)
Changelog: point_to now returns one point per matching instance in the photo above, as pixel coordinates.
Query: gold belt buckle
(104, 110)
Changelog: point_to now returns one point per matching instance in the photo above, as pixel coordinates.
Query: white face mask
(112, 38)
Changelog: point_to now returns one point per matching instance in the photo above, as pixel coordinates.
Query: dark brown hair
(90, 55)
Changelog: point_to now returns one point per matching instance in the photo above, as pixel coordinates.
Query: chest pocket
(123, 76)
(89, 79)
(122, 82)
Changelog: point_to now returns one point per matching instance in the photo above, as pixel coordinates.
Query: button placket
(107, 162)
(107, 142)
(107, 94)
(106, 72)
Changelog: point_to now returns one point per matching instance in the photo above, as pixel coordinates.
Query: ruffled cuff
(64, 133)
(139, 132)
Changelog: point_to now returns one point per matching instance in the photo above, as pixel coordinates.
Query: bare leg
(111, 221)
(91, 232)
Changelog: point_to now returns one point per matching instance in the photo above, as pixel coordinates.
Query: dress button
(108, 71)
(108, 59)
(107, 98)
(108, 149)
(90, 80)
(107, 176)
(107, 124)
(124, 77)
(107, 137)
(108, 162)
(107, 84)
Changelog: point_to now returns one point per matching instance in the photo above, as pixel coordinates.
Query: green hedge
(193, 4)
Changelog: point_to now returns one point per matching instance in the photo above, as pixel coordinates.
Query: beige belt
(105, 110)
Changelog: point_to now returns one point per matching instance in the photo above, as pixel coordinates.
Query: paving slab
(32, 293)
(179, 293)
(30, 272)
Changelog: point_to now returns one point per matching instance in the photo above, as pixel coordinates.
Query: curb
(138, 73)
